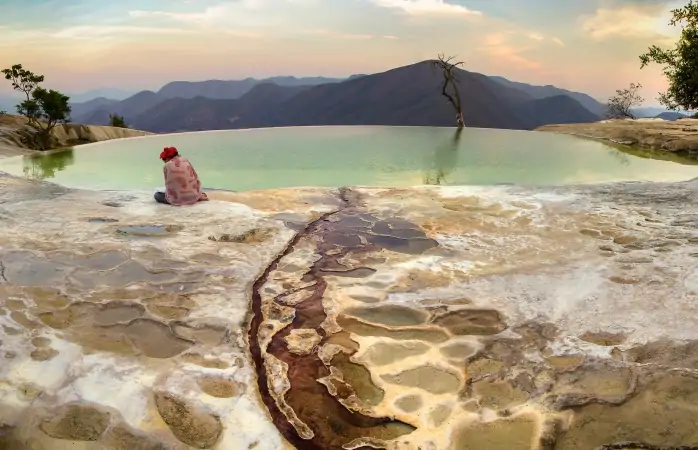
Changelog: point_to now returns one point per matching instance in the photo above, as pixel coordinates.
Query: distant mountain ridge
(591, 104)
(558, 109)
(232, 89)
(407, 95)
(97, 110)
(670, 115)
(213, 89)
(109, 93)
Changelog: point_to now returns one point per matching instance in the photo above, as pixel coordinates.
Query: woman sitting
(182, 185)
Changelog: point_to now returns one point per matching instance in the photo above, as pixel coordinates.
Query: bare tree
(619, 105)
(451, 79)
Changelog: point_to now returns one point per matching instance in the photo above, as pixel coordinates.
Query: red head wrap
(168, 153)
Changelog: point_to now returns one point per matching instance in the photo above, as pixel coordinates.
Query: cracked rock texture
(424, 318)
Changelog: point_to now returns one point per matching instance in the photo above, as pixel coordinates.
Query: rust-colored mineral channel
(333, 424)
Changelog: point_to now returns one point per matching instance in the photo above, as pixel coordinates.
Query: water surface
(357, 155)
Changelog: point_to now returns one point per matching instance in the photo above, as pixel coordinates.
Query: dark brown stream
(332, 423)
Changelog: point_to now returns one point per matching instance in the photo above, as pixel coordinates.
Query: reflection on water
(445, 159)
(619, 156)
(46, 165)
(658, 155)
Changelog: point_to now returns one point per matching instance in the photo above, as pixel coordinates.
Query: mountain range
(591, 104)
(9, 102)
(409, 95)
(671, 115)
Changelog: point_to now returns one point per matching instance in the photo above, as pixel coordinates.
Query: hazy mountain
(595, 107)
(670, 115)
(134, 105)
(84, 109)
(215, 89)
(268, 95)
(128, 108)
(556, 109)
(81, 103)
(187, 114)
(302, 81)
(652, 111)
(214, 114)
(407, 95)
(80, 111)
(231, 89)
(111, 93)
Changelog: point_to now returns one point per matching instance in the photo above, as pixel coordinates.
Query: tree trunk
(458, 104)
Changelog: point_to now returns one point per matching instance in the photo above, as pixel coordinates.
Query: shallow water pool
(343, 156)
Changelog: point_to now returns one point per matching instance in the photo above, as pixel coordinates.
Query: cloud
(220, 13)
(244, 18)
(425, 7)
(91, 32)
(207, 16)
(540, 37)
(348, 36)
(497, 47)
(13, 35)
(631, 21)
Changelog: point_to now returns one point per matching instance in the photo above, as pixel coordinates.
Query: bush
(619, 105)
(45, 108)
(117, 121)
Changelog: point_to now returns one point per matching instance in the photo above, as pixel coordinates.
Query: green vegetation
(117, 121)
(619, 105)
(680, 63)
(45, 108)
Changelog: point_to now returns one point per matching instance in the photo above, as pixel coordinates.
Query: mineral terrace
(425, 318)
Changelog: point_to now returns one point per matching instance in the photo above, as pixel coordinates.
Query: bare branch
(619, 105)
(446, 65)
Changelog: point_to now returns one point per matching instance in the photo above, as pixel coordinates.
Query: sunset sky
(585, 45)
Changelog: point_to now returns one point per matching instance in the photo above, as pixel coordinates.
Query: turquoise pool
(345, 155)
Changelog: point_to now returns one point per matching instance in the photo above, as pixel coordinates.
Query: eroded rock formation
(431, 318)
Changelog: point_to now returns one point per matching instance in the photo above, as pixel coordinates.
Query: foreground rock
(430, 318)
(14, 132)
(680, 136)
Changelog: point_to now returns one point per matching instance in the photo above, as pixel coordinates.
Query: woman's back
(182, 185)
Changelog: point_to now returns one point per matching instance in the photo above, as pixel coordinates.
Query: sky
(590, 46)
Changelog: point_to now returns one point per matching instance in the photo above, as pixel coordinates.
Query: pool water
(346, 156)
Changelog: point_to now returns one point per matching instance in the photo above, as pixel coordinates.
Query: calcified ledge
(433, 318)
(15, 132)
(679, 137)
